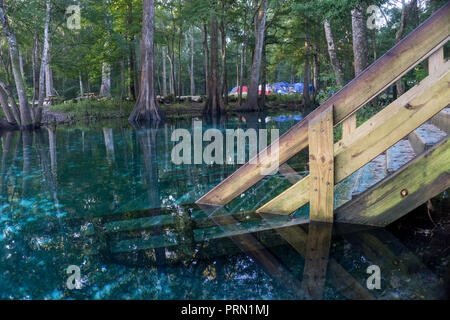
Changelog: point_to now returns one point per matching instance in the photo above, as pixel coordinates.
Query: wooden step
(368, 84)
(210, 233)
(398, 155)
(400, 193)
(370, 174)
(424, 137)
(442, 120)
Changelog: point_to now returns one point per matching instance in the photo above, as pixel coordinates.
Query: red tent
(244, 89)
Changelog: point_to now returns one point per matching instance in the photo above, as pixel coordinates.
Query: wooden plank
(390, 199)
(435, 61)
(289, 173)
(413, 49)
(393, 123)
(321, 164)
(316, 260)
(417, 143)
(289, 200)
(352, 153)
(442, 120)
(240, 228)
(349, 126)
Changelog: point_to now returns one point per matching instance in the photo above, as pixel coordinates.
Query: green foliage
(110, 32)
(101, 109)
(280, 99)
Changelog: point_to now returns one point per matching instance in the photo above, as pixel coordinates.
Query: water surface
(106, 197)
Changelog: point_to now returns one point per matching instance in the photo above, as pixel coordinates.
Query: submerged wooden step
(424, 137)
(370, 174)
(398, 155)
(206, 234)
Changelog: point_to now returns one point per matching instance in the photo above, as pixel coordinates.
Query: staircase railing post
(436, 60)
(321, 166)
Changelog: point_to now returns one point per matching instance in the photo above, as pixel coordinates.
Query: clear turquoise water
(108, 199)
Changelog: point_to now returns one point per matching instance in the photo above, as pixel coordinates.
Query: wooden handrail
(404, 56)
(374, 136)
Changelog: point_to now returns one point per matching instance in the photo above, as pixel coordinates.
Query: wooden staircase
(395, 161)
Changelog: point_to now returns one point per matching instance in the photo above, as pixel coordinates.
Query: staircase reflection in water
(303, 261)
(112, 202)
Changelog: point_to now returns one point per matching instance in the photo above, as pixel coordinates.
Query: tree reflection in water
(110, 200)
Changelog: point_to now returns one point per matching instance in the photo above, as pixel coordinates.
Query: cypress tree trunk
(260, 26)
(105, 89)
(49, 89)
(131, 56)
(44, 61)
(243, 62)
(26, 119)
(316, 73)
(360, 43)
(361, 56)
(237, 66)
(146, 107)
(192, 65)
(306, 74)
(14, 108)
(21, 64)
(172, 73)
(179, 91)
(262, 100)
(214, 101)
(164, 72)
(406, 12)
(48, 81)
(224, 62)
(6, 109)
(35, 70)
(81, 85)
(206, 52)
(332, 53)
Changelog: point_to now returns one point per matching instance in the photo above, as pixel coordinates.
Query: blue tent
(282, 118)
(233, 91)
(280, 87)
(286, 88)
(298, 87)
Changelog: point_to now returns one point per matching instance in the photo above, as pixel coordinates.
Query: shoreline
(172, 111)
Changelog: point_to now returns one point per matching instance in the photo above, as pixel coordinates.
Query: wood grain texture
(380, 132)
(413, 49)
(393, 123)
(289, 200)
(423, 178)
(435, 61)
(442, 120)
(349, 126)
(321, 166)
